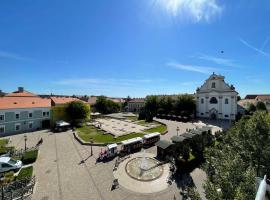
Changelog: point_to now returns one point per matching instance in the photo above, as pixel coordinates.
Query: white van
(8, 164)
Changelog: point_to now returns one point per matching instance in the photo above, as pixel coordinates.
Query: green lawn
(161, 129)
(88, 132)
(25, 173)
(29, 157)
(3, 142)
(3, 146)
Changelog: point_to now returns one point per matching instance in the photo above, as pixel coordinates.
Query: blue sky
(134, 47)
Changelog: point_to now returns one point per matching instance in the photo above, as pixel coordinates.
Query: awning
(163, 144)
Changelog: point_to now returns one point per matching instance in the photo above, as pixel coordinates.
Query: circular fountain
(142, 173)
(144, 168)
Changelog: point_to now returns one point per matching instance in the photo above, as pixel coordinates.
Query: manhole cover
(48, 171)
(45, 198)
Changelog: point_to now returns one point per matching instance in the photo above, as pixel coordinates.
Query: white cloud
(219, 61)
(197, 10)
(192, 68)
(254, 48)
(4, 54)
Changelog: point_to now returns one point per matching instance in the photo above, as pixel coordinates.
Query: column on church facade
(206, 106)
(232, 108)
(220, 99)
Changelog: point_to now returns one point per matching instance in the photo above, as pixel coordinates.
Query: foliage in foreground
(242, 155)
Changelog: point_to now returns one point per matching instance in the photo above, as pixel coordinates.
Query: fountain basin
(135, 170)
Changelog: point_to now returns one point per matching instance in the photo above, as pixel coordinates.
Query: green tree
(77, 112)
(101, 104)
(242, 154)
(185, 105)
(251, 108)
(151, 105)
(105, 106)
(260, 106)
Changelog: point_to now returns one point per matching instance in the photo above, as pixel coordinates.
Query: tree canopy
(242, 155)
(183, 105)
(77, 111)
(106, 106)
(260, 106)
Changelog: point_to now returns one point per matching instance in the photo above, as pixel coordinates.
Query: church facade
(216, 99)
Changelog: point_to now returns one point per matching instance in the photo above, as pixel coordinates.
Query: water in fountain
(143, 165)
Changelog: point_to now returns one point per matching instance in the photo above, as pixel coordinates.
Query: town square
(134, 100)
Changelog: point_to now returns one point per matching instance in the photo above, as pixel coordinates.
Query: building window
(2, 129)
(30, 115)
(202, 101)
(46, 114)
(201, 113)
(226, 101)
(30, 125)
(2, 117)
(226, 115)
(17, 127)
(213, 100)
(17, 116)
(213, 85)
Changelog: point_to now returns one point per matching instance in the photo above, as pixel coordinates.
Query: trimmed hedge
(26, 172)
(29, 157)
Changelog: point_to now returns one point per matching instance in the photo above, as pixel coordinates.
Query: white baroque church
(216, 99)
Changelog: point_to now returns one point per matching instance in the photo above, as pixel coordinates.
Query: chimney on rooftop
(20, 89)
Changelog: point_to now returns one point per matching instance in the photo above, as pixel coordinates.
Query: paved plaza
(65, 170)
(120, 127)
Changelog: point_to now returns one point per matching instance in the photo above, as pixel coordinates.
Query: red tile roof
(13, 102)
(63, 100)
(263, 97)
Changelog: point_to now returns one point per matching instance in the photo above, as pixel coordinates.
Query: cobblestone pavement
(66, 171)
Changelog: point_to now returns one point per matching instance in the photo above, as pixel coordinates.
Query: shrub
(25, 173)
(29, 157)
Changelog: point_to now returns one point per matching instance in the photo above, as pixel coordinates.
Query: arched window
(213, 100)
(226, 101)
(202, 101)
(213, 85)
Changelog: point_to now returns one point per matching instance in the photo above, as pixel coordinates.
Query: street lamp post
(91, 142)
(177, 129)
(25, 139)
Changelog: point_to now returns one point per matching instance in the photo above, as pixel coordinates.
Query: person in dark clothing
(40, 142)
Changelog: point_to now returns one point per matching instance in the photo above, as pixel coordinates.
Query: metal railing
(18, 189)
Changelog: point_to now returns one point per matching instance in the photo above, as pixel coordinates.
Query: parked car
(61, 126)
(9, 164)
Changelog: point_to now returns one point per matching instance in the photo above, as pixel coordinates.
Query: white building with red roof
(22, 111)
